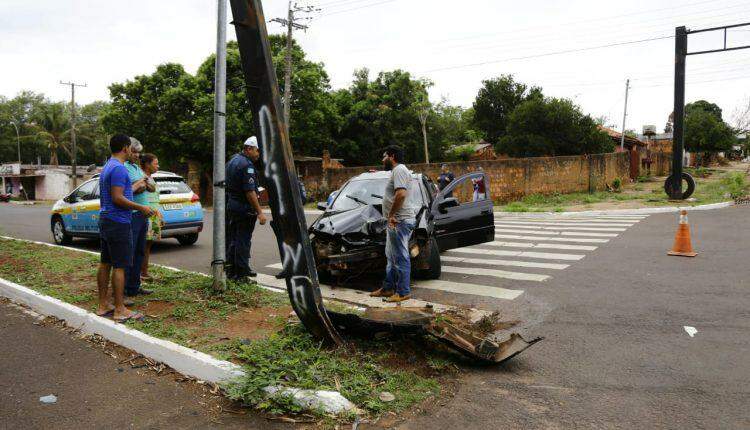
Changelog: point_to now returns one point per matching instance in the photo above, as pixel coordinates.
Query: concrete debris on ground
(48, 400)
(331, 402)
(386, 397)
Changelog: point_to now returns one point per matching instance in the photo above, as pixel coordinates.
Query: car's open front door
(462, 212)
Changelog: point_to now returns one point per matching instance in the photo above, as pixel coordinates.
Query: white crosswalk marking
(542, 246)
(476, 290)
(527, 254)
(544, 227)
(565, 223)
(522, 242)
(498, 262)
(550, 238)
(548, 232)
(495, 273)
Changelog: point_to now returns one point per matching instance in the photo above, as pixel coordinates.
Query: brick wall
(509, 178)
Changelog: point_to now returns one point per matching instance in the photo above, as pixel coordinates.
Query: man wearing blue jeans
(401, 221)
(139, 222)
(114, 230)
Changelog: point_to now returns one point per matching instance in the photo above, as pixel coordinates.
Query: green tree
(20, 110)
(705, 133)
(552, 127)
(52, 126)
(702, 105)
(496, 101)
(378, 113)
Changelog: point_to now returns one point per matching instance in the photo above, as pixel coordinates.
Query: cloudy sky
(581, 49)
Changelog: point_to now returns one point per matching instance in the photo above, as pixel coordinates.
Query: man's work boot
(382, 292)
(397, 298)
(281, 275)
(252, 273)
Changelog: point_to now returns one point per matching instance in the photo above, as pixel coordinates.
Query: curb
(664, 209)
(184, 360)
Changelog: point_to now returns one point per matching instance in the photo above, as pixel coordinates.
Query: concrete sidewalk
(93, 389)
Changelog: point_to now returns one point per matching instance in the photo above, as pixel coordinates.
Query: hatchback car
(350, 234)
(77, 214)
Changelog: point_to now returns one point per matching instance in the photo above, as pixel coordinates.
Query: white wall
(53, 185)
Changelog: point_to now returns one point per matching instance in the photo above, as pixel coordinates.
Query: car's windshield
(370, 192)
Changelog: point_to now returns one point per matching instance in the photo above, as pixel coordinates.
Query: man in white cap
(243, 209)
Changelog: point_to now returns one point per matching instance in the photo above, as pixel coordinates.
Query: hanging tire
(671, 185)
(59, 235)
(187, 239)
(434, 268)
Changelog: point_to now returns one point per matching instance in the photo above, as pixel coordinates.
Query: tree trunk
(194, 175)
(53, 158)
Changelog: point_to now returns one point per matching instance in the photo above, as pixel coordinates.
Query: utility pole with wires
(624, 114)
(291, 23)
(73, 148)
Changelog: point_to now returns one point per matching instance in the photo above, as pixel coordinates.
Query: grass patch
(713, 185)
(247, 325)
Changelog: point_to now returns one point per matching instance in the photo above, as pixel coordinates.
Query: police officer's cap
(252, 142)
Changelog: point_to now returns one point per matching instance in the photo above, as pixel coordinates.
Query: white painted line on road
(476, 290)
(580, 233)
(526, 254)
(691, 331)
(540, 227)
(542, 246)
(275, 266)
(497, 262)
(496, 273)
(515, 230)
(564, 224)
(548, 232)
(550, 239)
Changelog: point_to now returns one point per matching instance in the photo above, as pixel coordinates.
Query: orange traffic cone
(682, 246)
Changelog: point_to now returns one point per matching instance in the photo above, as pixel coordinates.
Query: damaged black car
(348, 239)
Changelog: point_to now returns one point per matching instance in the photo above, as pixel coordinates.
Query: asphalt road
(615, 354)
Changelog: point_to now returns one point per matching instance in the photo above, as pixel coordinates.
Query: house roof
(616, 135)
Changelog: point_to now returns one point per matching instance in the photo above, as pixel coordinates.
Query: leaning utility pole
(73, 148)
(624, 114)
(220, 103)
(291, 24)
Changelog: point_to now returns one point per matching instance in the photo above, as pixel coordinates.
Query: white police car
(77, 214)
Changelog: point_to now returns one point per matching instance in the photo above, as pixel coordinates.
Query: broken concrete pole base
(331, 402)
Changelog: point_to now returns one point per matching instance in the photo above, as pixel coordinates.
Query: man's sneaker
(252, 273)
(396, 298)
(144, 292)
(382, 292)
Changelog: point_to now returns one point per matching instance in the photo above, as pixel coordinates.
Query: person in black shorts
(116, 199)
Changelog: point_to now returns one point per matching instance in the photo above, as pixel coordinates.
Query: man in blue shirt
(139, 222)
(243, 209)
(116, 195)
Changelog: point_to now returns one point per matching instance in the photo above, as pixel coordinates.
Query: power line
(566, 51)
(291, 23)
(357, 8)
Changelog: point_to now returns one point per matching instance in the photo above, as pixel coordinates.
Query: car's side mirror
(70, 199)
(322, 206)
(448, 202)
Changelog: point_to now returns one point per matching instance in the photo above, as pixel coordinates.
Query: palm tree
(53, 128)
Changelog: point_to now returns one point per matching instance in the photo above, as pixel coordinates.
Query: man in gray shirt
(400, 215)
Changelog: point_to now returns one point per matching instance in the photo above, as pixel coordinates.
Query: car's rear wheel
(187, 239)
(434, 268)
(59, 235)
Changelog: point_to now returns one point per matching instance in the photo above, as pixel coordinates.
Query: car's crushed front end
(354, 241)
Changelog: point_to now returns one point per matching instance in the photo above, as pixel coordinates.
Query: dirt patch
(251, 323)
(158, 308)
